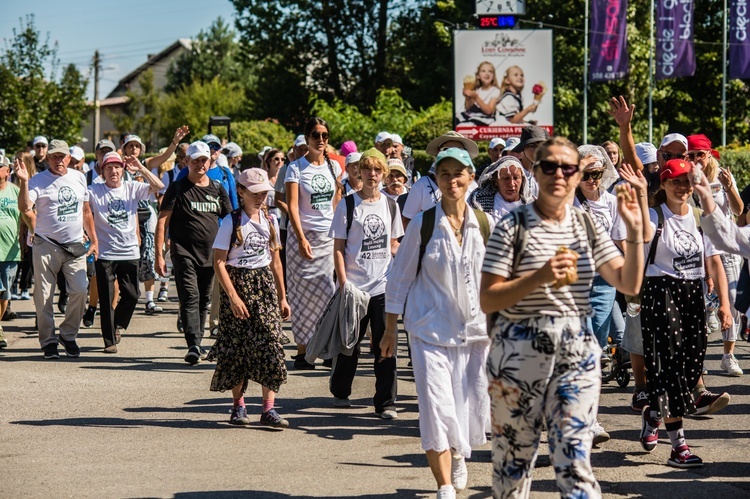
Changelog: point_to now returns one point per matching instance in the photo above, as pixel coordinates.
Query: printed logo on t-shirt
(690, 252)
(601, 221)
(375, 242)
(117, 216)
(67, 211)
(212, 206)
(254, 246)
(323, 192)
(7, 207)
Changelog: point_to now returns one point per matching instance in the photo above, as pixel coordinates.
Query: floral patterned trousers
(543, 370)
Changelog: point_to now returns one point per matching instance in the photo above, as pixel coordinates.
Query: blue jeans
(602, 301)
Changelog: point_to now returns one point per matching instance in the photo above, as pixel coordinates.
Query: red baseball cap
(674, 168)
(698, 142)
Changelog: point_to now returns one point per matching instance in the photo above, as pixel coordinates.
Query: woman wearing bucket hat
(543, 365)
(253, 302)
(436, 288)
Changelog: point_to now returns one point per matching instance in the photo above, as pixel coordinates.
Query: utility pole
(97, 67)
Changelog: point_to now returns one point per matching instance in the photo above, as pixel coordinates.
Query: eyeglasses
(319, 135)
(550, 168)
(214, 146)
(592, 175)
(40, 146)
(668, 155)
(692, 156)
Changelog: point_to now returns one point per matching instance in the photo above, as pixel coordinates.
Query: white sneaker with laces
(730, 365)
(459, 473)
(600, 434)
(446, 492)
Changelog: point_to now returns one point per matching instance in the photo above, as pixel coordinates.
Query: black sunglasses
(214, 146)
(319, 135)
(550, 168)
(692, 156)
(592, 175)
(668, 155)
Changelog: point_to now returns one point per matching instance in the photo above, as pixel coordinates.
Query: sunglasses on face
(668, 155)
(214, 147)
(319, 135)
(592, 175)
(692, 156)
(550, 168)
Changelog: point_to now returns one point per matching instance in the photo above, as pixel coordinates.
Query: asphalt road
(143, 423)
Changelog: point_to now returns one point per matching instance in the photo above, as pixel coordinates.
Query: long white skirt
(454, 404)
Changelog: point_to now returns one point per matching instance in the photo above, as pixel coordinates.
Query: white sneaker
(600, 434)
(730, 365)
(446, 492)
(459, 473)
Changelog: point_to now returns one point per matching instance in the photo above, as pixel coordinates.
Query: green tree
(214, 52)
(192, 105)
(253, 136)
(32, 102)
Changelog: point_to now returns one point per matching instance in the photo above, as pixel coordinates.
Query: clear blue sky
(124, 32)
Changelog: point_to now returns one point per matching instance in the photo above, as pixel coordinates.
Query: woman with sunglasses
(312, 193)
(543, 365)
(727, 199)
(272, 163)
(673, 321)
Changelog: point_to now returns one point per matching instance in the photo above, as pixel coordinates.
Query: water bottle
(634, 309)
(712, 301)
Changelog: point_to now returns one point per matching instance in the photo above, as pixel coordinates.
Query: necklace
(456, 230)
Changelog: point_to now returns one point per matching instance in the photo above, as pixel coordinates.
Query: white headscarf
(504, 162)
(602, 161)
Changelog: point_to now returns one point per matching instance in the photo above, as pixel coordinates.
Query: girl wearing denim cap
(439, 297)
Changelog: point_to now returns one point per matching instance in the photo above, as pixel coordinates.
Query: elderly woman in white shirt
(447, 328)
(502, 187)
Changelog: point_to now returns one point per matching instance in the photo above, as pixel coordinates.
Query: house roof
(122, 86)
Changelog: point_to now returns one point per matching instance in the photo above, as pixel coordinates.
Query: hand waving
(620, 111)
(635, 178)
(20, 170)
(180, 134)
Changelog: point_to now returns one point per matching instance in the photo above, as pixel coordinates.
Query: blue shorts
(7, 276)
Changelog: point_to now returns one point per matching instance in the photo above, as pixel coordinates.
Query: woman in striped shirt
(544, 361)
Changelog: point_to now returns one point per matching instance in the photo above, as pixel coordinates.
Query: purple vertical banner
(739, 41)
(675, 56)
(609, 40)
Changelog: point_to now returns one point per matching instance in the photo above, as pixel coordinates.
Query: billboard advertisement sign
(502, 82)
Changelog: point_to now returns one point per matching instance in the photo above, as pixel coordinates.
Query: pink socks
(268, 404)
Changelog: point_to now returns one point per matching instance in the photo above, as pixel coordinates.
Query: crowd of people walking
(515, 279)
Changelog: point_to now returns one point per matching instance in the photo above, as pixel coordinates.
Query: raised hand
(132, 164)
(620, 110)
(180, 134)
(628, 208)
(20, 170)
(701, 187)
(725, 178)
(635, 178)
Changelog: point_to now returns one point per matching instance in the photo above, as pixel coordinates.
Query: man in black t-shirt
(197, 203)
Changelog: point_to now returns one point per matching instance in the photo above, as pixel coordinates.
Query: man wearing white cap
(77, 157)
(40, 145)
(353, 182)
(62, 213)
(191, 208)
(397, 150)
(384, 143)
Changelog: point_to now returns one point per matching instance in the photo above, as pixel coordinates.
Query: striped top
(543, 240)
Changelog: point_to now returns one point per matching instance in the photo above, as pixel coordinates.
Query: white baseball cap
(39, 139)
(198, 149)
(674, 137)
(300, 141)
(77, 153)
(352, 157)
(397, 139)
(382, 137)
(497, 141)
(646, 152)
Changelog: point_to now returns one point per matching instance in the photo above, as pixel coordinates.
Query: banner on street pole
(609, 40)
(492, 7)
(502, 82)
(739, 41)
(675, 55)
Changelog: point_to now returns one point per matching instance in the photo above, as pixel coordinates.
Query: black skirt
(673, 322)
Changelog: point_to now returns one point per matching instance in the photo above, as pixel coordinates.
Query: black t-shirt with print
(195, 218)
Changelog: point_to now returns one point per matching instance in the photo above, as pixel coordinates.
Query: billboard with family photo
(503, 82)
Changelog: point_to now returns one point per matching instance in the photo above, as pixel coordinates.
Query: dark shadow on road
(262, 494)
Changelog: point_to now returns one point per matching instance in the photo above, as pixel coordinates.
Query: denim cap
(460, 155)
(211, 139)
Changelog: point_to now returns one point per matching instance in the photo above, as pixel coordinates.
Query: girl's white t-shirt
(681, 249)
(367, 257)
(254, 252)
(316, 191)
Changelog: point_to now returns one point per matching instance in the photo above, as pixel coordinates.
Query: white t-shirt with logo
(681, 250)
(254, 252)
(368, 248)
(116, 218)
(605, 215)
(316, 190)
(59, 205)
